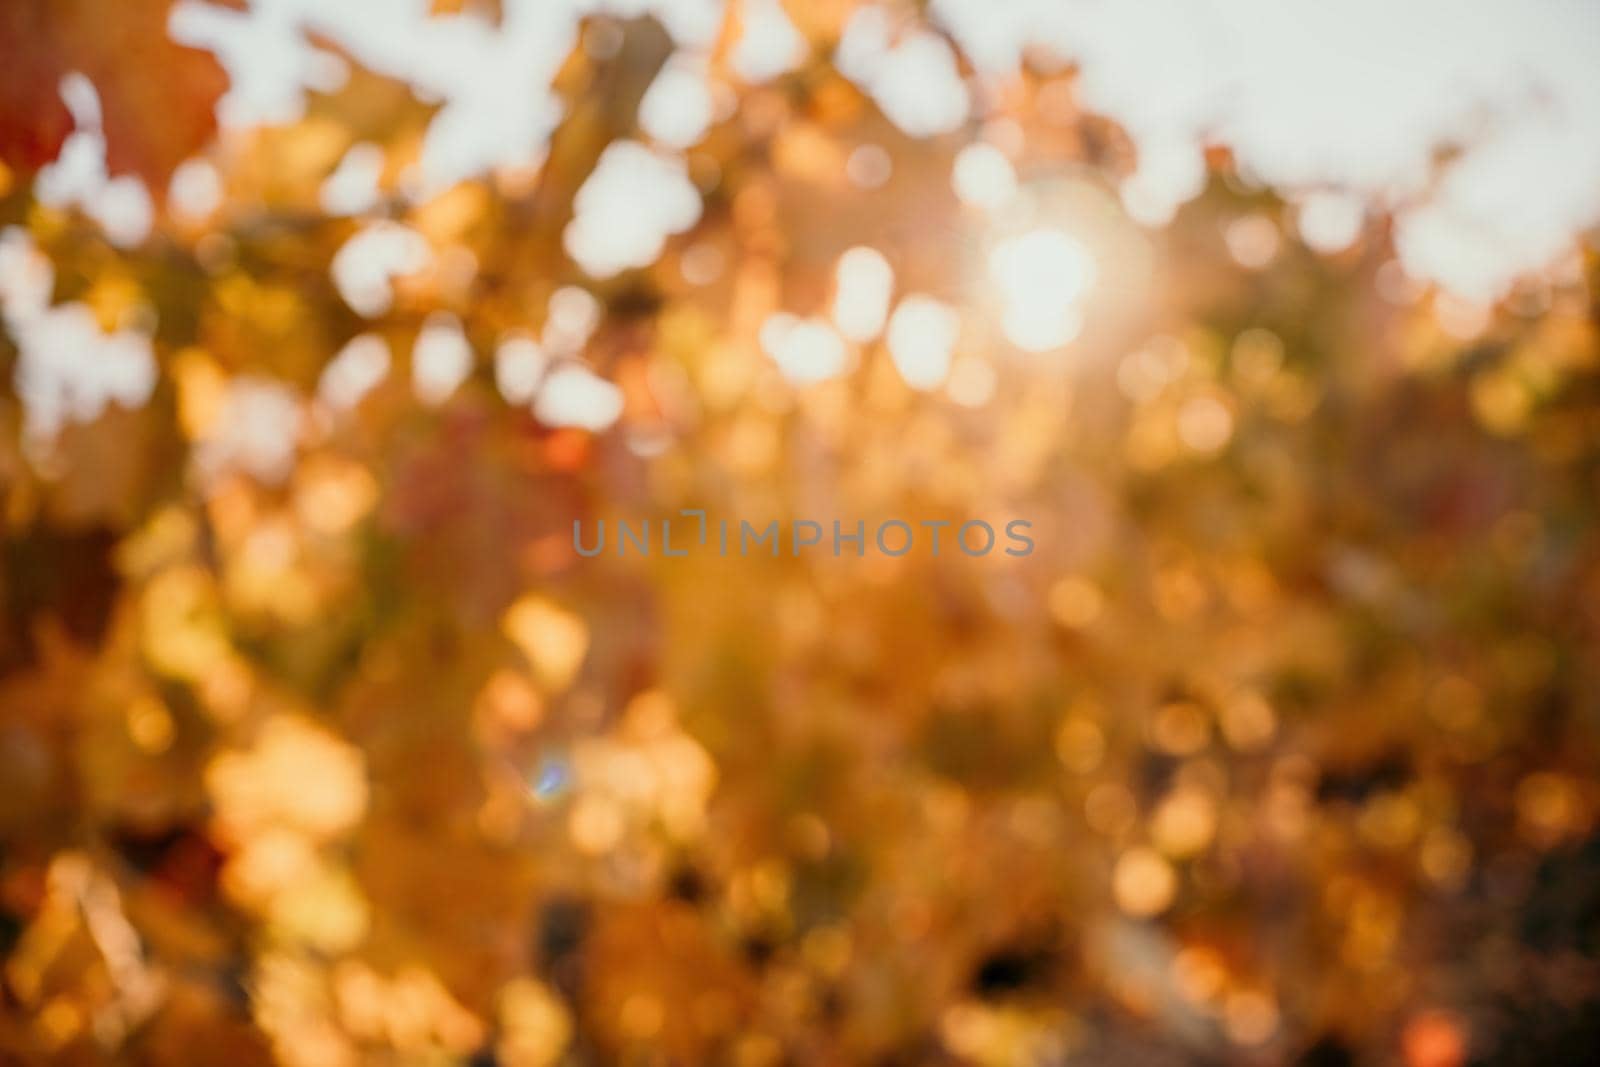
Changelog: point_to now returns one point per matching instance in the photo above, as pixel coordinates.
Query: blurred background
(324, 322)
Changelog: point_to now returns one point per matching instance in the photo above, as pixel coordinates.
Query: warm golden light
(1042, 276)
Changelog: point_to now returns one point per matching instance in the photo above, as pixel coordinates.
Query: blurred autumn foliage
(319, 745)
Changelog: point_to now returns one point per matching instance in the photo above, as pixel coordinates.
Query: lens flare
(1042, 276)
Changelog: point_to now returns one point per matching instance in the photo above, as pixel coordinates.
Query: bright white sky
(1352, 99)
(1344, 99)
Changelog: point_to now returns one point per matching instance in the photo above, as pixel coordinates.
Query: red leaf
(157, 97)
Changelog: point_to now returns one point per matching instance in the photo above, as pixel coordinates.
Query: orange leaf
(157, 97)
